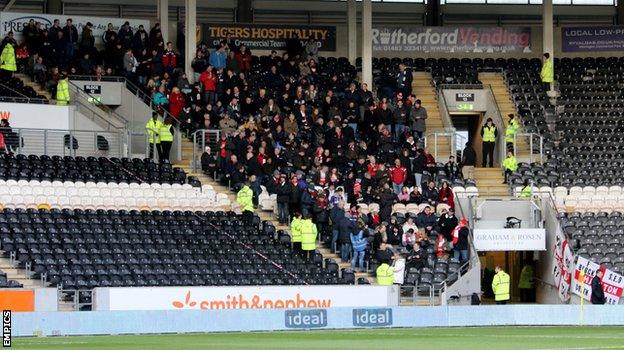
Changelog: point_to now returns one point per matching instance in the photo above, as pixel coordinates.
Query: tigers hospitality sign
(270, 37)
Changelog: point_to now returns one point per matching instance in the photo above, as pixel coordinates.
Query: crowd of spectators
(296, 124)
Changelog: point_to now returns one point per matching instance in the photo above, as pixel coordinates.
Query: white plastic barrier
(248, 297)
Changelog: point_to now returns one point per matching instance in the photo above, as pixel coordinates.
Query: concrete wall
(193, 321)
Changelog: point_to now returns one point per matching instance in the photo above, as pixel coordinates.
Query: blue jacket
(160, 99)
(358, 242)
(217, 59)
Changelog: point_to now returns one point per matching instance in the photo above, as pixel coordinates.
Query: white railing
(67, 142)
(533, 140)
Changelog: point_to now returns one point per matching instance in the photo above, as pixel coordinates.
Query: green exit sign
(465, 106)
(95, 100)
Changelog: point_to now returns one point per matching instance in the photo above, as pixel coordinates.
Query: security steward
(166, 137)
(385, 274)
(8, 63)
(500, 286)
(295, 231)
(488, 135)
(511, 131)
(62, 91)
(548, 72)
(153, 130)
(510, 164)
(244, 198)
(308, 235)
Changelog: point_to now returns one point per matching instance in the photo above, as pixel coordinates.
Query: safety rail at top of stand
(67, 142)
(459, 86)
(22, 98)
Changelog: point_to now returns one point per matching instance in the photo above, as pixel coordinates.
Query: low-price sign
(584, 273)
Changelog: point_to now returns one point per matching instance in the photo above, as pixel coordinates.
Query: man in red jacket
(169, 58)
(398, 174)
(243, 57)
(208, 81)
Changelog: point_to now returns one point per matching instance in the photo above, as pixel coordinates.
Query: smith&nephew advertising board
(270, 37)
(452, 39)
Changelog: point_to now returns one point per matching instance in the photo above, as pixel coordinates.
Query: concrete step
(269, 216)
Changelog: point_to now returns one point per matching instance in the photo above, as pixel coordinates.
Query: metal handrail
(530, 135)
(201, 141)
(450, 132)
(446, 117)
(137, 91)
(22, 96)
(102, 107)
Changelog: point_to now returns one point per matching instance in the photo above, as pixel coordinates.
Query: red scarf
(440, 245)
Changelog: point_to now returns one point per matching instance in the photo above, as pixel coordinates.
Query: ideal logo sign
(372, 317)
(315, 318)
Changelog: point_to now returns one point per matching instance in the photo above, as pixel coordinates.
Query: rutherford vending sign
(452, 39)
(587, 39)
(270, 37)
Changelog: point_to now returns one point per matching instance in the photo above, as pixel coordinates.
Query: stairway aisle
(490, 183)
(422, 87)
(185, 163)
(19, 275)
(38, 88)
(506, 107)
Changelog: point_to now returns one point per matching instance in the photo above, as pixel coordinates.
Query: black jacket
(417, 259)
(283, 193)
(597, 296)
(462, 242)
(386, 200)
(469, 157)
(447, 224)
(345, 227)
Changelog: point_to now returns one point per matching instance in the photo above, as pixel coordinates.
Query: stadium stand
(598, 236)
(83, 249)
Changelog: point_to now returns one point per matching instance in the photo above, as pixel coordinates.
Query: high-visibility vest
(62, 92)
(385, 275)
(165, 133)
(295, 229)
(500, 286)
(548, 71)
(527, 192)
(308, 235)
(7, 60)
(510, 163)
(244, 198)
(511, 131)
(489, 133)
(153, 129)
(526, 278)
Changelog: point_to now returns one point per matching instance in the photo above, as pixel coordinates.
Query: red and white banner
(612, 283)
(563, 266)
